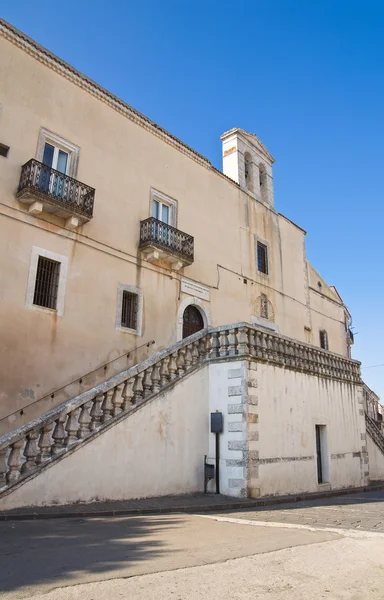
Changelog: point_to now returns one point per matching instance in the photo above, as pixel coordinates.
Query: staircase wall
(376, 460)
(157, 450)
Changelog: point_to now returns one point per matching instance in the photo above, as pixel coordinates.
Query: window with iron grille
(323, 339)
(129, 309)
(264, 306)
(262, 258)
(46, 283)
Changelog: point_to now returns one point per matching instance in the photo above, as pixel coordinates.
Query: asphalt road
(329, 549)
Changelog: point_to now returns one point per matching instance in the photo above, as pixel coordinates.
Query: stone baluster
(269, 347)
(128, 394)
(107, 406)
(3, 467)
(258, 344)
(188, 357)
(252, 341)
(231, 342)
(58, 435)
(264, 349)
(138, 388)
(72, 427)
(155, 379)
(147, 382)
(224, 343)
(195, 353)
(14, 462)
(96, 412)
(117, 399)
(180, 362)
(215, 344)
(164, 373)
(172, 366)
(85, 420)
(281, 352)
(45, 444)
(30, 453)
(208, 346)
(201, 348)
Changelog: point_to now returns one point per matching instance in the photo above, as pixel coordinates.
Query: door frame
(200, 305)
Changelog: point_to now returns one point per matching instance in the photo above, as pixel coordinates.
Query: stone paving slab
(364, 511)
(183, 503)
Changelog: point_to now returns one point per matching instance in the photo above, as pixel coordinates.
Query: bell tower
(247, 161)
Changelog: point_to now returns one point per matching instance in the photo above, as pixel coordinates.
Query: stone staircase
(374, 433)
(32, 448)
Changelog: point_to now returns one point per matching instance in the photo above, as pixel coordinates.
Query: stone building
(115, 234)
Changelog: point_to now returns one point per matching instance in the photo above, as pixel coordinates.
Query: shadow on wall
(63, 552)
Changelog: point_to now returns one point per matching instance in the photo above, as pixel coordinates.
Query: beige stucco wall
(290, 404)
(376, 460)
(41, 351)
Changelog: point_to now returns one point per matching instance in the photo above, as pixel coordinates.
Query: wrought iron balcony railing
(168, 239)
(40, 182)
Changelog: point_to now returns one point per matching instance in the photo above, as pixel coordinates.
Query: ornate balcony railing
(42, 183)
(156, 234)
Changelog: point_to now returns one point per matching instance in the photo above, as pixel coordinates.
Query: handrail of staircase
(79, 379)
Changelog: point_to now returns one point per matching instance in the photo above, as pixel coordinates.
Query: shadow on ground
(52, 552)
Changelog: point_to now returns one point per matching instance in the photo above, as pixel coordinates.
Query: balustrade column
(232, 342)
(164, 372)
(30, 452)
(138, 389)
(180, 362)
(128, 394)
(96, 412)
(223, 343)
(58, 435)
(215, 344)
(107, 407)
(45, 444)
(3, 467)
(155, 387)
(195, 353)
(117, 399)
(147, 382)
(84, 420)
(172, 367)
(14, 462)
(188, 357)
(72, 427)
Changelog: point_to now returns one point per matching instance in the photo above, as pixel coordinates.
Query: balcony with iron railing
(160, 241)
(44, 189)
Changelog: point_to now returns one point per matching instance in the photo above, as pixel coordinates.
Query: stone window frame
(171, 202)
(53, 138)
(123, 287)
(60, 258)
(257, 239)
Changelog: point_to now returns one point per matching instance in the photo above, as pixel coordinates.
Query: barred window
(129, 309)
(262, 258)
(46, 283)
(323, 339)
(264, 306)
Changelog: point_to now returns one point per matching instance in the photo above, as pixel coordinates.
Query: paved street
(325, 549)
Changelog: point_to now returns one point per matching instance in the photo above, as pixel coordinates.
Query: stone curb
(245, 504)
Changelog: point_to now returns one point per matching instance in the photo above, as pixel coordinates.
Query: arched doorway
(192, 321)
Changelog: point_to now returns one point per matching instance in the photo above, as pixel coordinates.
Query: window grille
(4, 150)
(264, 306)
(129, 310)
(323, 339)
(47, 283)
(262, 258)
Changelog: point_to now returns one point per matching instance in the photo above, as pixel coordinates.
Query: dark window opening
(47, 283)
(322, 454)
(262, 258)
(323, 339)
(264, 306)
(129, 309)
(4, 150)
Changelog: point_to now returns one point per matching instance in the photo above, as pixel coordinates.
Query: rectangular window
(46, 283)
(323, 339)
(322, 454)
(262, 258)
(4, 150)
(129, 310)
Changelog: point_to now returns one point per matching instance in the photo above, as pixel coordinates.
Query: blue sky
(307, 77)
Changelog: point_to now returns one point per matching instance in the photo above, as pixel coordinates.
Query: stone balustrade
(374, 432)
(30, 448)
